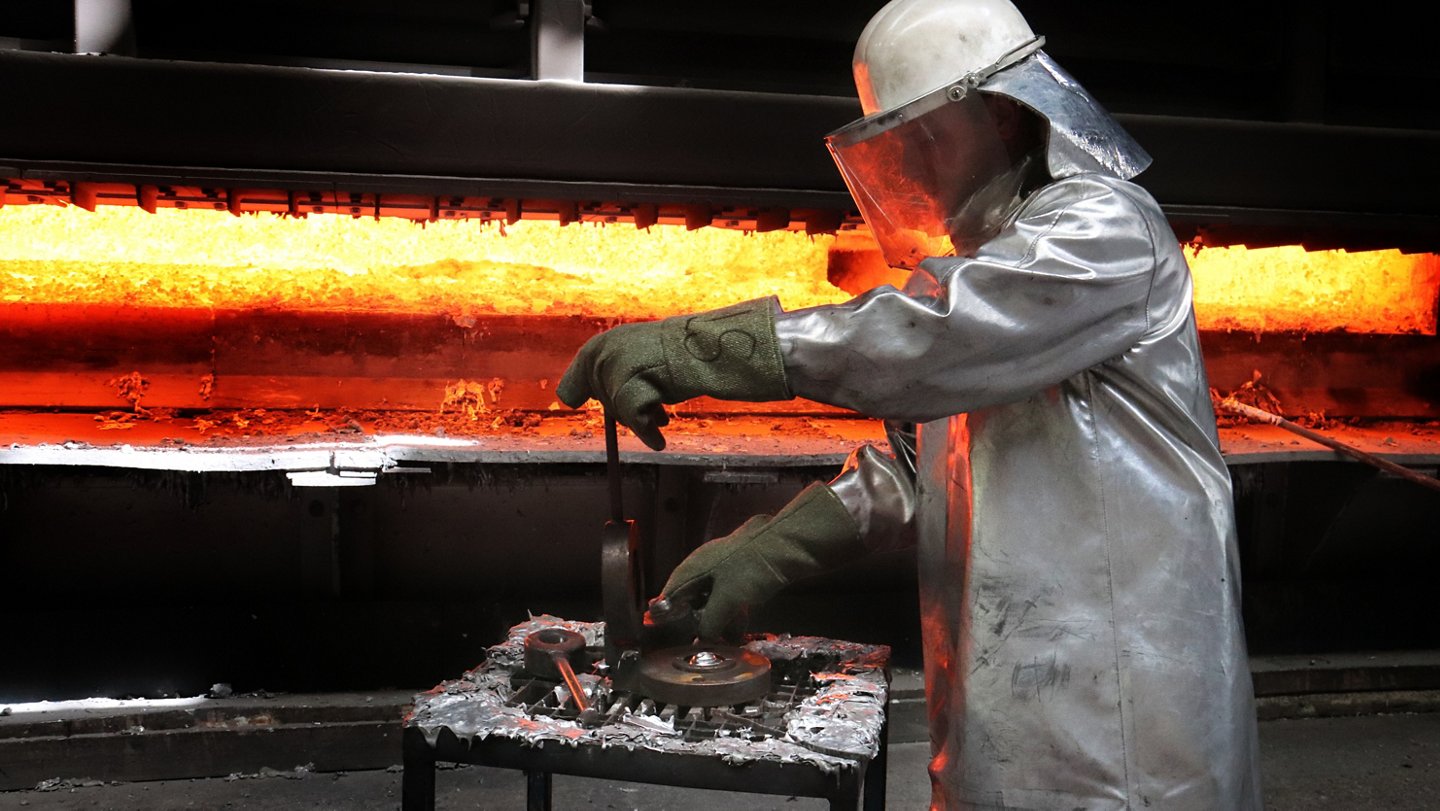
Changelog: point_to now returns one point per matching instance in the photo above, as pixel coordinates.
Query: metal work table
(819, 733)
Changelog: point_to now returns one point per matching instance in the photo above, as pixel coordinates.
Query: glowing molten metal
(188, 258)
(198, 258)
(1293, 290)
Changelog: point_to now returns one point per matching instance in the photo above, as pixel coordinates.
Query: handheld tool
(621, 574)
(652, 649)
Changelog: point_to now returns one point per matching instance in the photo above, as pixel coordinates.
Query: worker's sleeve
(878, 490)
(1062, 289)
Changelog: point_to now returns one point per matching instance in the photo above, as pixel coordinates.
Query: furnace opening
(200, 324)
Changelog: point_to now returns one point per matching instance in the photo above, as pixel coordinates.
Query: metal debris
(828, 717)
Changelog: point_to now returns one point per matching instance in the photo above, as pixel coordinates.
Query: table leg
(417, 783)
(874, 789)
(537, 790)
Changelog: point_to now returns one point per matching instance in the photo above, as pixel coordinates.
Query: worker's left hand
(634, 369)
(810, 535)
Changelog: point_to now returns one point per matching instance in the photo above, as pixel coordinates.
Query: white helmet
(911, 47)
(926, 164)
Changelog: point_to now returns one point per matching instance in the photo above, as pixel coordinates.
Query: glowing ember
(199, 258)
(469, 397)
(1291, 289)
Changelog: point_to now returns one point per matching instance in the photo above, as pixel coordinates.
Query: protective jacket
(1078, 567)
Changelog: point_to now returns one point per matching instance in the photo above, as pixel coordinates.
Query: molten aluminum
(198, 340)
(208, 259)
(1288, 288)
(197, 258)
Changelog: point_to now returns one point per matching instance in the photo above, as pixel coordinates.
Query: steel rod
(1262, 415)
(612, 468)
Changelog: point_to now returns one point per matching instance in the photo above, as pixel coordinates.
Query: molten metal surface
(197, 327)
(179, 258)
(196, 258)
(1289, 289)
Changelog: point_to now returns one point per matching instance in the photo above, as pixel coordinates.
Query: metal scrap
(830, 728)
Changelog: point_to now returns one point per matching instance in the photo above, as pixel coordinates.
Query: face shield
(932, 177)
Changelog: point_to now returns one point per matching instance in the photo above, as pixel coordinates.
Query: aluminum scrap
(848, 656)
(846, 714)
(844, 717)
(473, 708)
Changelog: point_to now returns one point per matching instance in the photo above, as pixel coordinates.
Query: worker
(1078, 572)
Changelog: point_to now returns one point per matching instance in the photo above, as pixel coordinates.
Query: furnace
(261, 323)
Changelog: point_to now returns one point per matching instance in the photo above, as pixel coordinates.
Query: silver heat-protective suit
(1077, 554)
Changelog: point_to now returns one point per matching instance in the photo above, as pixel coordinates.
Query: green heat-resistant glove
(812, 534)
(633, 369)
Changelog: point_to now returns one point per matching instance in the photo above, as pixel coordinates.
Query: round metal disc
(704, 675)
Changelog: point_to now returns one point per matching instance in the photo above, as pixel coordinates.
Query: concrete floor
(1368, 762)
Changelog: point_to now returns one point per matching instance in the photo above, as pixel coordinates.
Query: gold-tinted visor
(916, 171)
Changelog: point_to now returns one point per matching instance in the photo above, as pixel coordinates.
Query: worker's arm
(878, 490)
(1061, 290)
(867, 508)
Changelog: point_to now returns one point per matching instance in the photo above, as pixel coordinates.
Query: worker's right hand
(635, 369)
(812, 534)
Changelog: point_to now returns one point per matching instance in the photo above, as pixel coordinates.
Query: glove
(730, 353)
(812, 534)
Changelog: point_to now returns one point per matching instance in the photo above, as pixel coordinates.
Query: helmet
(929, 165)
(912, 47)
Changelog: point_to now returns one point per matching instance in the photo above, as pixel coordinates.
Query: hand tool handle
(1355, 453)
(612, 468)
(572, 682)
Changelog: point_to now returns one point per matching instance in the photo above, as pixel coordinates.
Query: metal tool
(621, 570)
(551, 653)
(651, 649)
(1261, 415)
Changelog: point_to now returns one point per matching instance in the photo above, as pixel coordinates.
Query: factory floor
(1365, 762)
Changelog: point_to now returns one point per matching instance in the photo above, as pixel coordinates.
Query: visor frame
(871, 125)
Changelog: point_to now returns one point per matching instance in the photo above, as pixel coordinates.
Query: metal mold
(704, 675)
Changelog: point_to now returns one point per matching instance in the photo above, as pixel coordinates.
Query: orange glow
(199, 258)
(187, 258)
(1291, 289)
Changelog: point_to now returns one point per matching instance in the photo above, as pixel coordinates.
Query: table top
(826, 709)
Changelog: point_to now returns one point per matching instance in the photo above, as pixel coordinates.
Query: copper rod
(572, 682)
(1262, 415)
